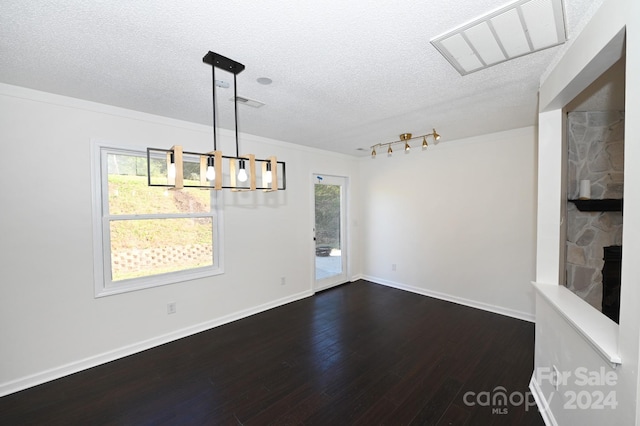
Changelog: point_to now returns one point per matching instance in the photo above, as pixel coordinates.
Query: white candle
(585, 189)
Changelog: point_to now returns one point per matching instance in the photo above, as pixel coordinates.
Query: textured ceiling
(346, 75)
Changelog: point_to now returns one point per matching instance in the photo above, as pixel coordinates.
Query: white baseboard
(541, 402)
(530, 317)
(83, 364)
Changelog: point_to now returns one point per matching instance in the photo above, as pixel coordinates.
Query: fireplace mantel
(605, 205)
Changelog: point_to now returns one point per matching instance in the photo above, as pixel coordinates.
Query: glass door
(329, 231)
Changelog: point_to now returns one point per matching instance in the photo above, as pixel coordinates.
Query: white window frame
(104, 286)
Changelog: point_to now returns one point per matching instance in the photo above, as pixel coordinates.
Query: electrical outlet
(393, 267)
(283, 281)
(171, 308)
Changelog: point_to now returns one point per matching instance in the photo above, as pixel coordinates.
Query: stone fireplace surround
(596, 153)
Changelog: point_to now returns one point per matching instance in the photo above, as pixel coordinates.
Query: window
(149, 236)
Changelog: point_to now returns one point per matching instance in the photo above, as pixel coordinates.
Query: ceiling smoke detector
(518, 29)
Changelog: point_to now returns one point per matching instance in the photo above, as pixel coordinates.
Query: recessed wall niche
(596, 153)
(595, 143)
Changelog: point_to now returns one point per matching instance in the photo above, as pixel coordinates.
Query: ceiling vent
(518, 29)
(248, 102)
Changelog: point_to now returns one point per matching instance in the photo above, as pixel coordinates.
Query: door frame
(344, 234)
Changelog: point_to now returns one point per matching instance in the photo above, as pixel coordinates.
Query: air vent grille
(520, 28)
(248, 102)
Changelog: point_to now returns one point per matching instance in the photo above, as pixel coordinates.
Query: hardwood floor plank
(454, 415)
(416, 397)
(375, 413)
(359, 354)
(298, 415)
(438, 402)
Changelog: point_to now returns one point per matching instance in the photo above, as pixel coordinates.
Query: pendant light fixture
(404, 139)
(212, 170)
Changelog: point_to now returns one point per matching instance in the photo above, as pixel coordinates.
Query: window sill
(154, 281)
(598, 330)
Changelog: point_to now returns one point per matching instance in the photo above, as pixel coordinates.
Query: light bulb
(268, 176)
(424, 142)
(171, 170)
(211, 171)
(407, 147)
(242, 174)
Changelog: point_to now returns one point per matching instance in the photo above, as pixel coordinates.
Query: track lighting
(404, 139)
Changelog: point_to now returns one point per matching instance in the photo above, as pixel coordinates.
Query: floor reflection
(326, 338)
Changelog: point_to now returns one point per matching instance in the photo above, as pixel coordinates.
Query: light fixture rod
(213, 78)
(218, 61)
(235, 105)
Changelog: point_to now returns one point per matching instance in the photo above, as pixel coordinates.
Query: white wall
(457, 220)
(598, 46)
(50, 322)
(574, 357)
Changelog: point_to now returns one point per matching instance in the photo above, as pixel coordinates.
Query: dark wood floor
(358, 354)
